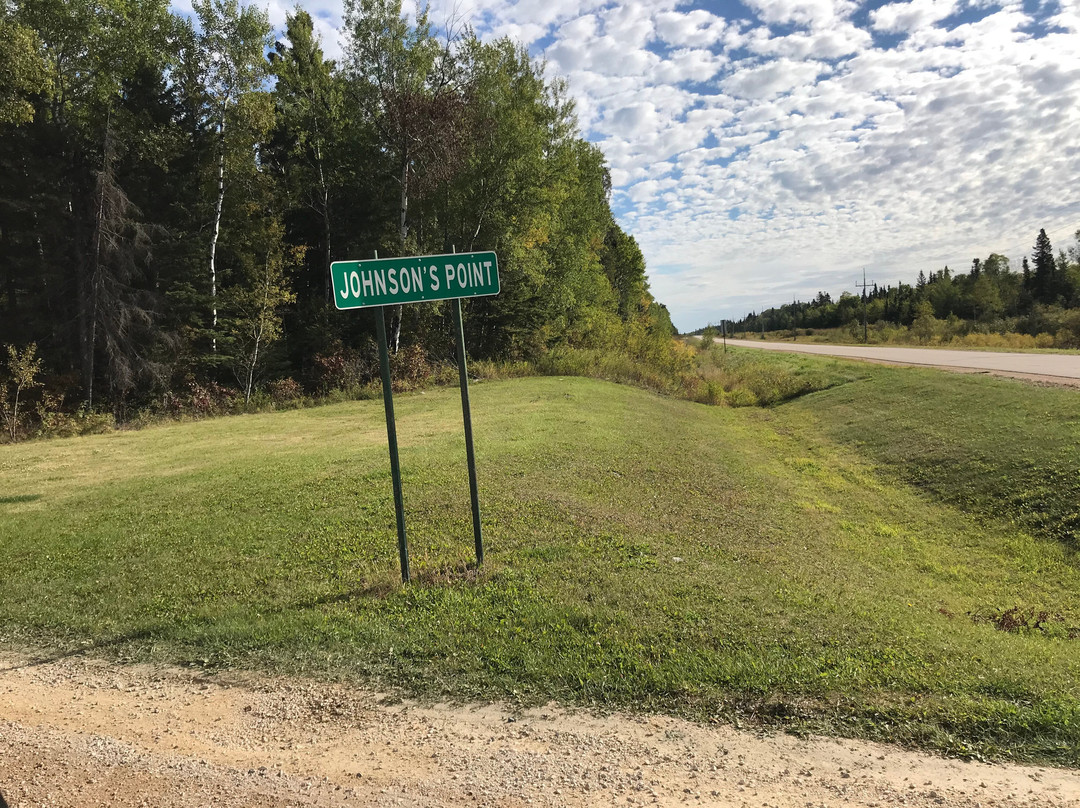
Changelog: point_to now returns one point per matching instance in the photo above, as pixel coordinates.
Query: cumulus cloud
(812, 13)
(693, 29)
(771, 78)
(904, 17)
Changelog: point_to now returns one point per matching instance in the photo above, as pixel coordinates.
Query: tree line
(1041, 299)
(172, 192)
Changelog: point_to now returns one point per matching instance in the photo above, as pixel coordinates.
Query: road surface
(1061, 367)
(81, 733)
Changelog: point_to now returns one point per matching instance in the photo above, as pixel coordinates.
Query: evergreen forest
(173, 190)
(992, 304)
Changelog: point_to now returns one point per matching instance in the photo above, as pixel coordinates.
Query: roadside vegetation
(178, 264)
(992, 305)
(882, 333)
(634, 354)
(816, 565)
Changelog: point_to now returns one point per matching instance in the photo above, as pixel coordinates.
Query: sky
(763, 150)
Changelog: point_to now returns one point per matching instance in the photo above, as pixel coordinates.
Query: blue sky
(767, 149)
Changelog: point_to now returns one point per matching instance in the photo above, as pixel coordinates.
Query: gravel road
(77, 732)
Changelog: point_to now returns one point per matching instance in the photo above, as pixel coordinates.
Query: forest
(173, 190)
(992, 304)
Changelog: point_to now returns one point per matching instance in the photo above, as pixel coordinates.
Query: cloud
(633, 118)
(693, 29)
(769, 149)
(811, 13)
(843, 40)
(906, 17)
(772, 78)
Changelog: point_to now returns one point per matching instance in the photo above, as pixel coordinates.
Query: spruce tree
(1044, 281)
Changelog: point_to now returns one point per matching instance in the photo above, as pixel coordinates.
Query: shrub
(741, 397)
(24, 367)
(410, 368)
(284, 390)
(708, 338)
(709, 393)
(210, 398)
(345, 368)
(488, 369)
(1069, 334)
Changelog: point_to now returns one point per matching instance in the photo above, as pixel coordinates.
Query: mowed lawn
(641, 552)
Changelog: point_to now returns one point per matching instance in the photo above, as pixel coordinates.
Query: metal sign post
(379, 283)
(466, 415)
(391, 439)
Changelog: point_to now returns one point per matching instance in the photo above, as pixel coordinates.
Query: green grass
(742, 378)
(643, 552)
(992, 446)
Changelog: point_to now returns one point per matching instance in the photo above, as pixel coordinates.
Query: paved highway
(1061, 366)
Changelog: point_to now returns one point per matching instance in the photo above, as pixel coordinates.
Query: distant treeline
(1041, 298)
(172, 194)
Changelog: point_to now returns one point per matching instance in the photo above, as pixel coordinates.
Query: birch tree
(232, 47)
(405, 80)
(256, 304)
(24, 368)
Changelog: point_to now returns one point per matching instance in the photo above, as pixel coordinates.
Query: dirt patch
(82, 733)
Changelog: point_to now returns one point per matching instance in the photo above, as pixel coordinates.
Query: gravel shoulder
(78, 732)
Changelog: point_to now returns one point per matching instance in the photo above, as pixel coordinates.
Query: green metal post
(466, 413)
(391, 437)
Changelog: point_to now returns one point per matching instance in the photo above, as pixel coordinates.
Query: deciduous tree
(24, 367)
(232, 46)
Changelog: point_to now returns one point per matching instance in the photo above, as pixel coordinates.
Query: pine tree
(308, 123)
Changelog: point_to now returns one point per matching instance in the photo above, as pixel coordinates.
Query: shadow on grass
(90, 648)
(389, 583)
(15, 500)
(377, 587)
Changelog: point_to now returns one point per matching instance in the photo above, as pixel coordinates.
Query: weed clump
(1026, 620)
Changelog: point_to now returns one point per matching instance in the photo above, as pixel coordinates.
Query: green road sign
(389, 281)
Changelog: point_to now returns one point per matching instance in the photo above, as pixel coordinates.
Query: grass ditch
(704, 375)
(644, 553)
(999, 448)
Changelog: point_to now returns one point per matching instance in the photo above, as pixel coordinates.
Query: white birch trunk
(217, 227)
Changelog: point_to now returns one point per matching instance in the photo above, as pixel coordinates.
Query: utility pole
(723, 330)
(863, 286)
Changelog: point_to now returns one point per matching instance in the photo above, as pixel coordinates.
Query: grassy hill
(812, 565)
